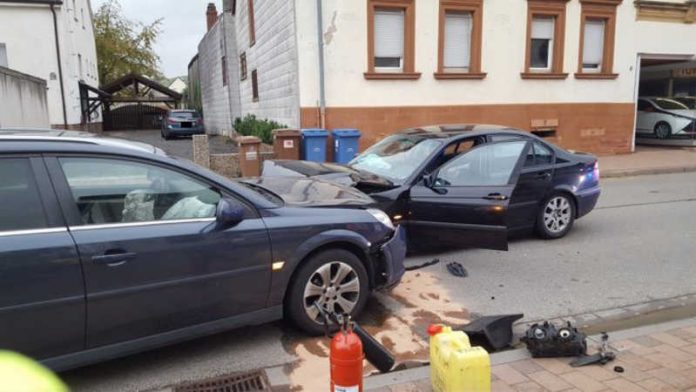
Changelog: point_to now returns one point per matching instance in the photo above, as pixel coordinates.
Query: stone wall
(223, 164)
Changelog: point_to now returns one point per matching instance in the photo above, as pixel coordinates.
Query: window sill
(392, 76)
(543, 75)
(459, 75)
(596, 76)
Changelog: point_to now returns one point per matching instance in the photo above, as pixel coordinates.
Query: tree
(124, 46)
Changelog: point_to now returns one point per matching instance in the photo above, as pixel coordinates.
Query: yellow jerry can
(455, 366)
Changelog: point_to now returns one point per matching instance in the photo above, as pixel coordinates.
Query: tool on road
(455, 366)
(375, 353)
(493, 331)
(546, 340)
(603, 357)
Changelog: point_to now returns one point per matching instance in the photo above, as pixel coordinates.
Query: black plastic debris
(457, 269)
(546, 340)
(426, 264)
(603, 357)
(496, 331)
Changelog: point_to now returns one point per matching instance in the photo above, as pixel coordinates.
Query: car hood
(341, 174)
(687, 113)
(311, 192)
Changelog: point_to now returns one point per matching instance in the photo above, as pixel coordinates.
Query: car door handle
(113, 259)
(495, 196)
(543, 176)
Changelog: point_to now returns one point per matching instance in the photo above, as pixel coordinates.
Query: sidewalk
(660, 357)
(649, 160)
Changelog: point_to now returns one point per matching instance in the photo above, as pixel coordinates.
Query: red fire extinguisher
(346, 360)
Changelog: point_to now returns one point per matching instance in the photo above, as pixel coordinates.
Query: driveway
(637, 246)
(179, 147)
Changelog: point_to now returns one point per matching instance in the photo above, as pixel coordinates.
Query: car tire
(556, 216)
(662, 130)
(308, 285)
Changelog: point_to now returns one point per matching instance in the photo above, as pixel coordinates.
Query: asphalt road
(637, 246)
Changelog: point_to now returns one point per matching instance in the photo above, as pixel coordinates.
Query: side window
(643, 105)
(538, 155)
(20, 203)
(120, 191)
(487, 165)
(504, 138)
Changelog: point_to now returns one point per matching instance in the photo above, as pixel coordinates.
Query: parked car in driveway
(466, 185)
(109, 247)
(178, 123)
(664, 118)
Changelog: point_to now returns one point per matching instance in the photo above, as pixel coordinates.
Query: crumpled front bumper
(391, 256)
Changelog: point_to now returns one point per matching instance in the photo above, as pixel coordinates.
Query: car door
(152, 258)
(464, 203)
(533, 186)
(42, 298)
(647, 116)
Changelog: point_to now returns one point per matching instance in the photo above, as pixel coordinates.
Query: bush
(251, 126)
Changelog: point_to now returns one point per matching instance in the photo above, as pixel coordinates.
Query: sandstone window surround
(674, 11)
(597, 39)
(391, 40)
(460, 37)
(545, 39)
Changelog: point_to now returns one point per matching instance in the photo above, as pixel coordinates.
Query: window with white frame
(541, 56)
(3, 55)
(593, 45)
(457, 45)
(389, 39)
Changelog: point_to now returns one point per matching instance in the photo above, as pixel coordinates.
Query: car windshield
(184, 115)
(668, 104)
(396, 157)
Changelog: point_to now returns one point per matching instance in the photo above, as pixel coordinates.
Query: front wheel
(663, 130)
(556, 217)
(336, 279)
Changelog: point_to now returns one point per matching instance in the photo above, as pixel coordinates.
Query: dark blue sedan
(178, 123)
(111, 247)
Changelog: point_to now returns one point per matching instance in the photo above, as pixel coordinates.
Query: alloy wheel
(662, 131)
(557, 214)
(336, 288)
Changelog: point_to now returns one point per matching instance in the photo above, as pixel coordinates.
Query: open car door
(465, 202)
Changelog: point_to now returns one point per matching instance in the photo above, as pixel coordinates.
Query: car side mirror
(428, 180)
(229, 213)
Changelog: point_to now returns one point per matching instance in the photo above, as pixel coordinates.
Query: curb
(648, 171)
(417, 374)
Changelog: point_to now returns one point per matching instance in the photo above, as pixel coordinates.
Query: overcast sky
(183, 26)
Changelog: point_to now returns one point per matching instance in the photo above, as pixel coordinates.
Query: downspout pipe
(320, 45)
(60, 66)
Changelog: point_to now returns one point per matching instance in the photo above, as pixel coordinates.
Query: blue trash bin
(314, 144)
(346, 144)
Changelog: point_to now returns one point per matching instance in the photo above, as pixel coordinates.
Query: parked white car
(664, 117)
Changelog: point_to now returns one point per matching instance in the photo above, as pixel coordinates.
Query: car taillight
(596, 170)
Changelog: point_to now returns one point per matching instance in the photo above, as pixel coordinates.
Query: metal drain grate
(239, 382)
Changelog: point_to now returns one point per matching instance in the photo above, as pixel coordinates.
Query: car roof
(57, 137)
(445, 131)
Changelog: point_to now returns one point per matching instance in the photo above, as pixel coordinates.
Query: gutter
(60, 66)
(322, 88)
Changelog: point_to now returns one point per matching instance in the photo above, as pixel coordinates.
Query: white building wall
(274, 56)
(28, 33)
(215, 96)
(503, 56)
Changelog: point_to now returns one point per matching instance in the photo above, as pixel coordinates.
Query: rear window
(184, 115)
(20, 205)
(668, 104)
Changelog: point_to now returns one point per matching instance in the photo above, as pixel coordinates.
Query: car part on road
(548, 341)
(603, 357)
(618, 369)
(556, 217)
(424, 265)
(457, 269)
(255, 381)
(375, 353)
(496, 331)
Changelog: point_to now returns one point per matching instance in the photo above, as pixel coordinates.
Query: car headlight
(381, 217)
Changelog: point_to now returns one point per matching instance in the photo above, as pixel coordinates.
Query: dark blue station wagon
(109, 247)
